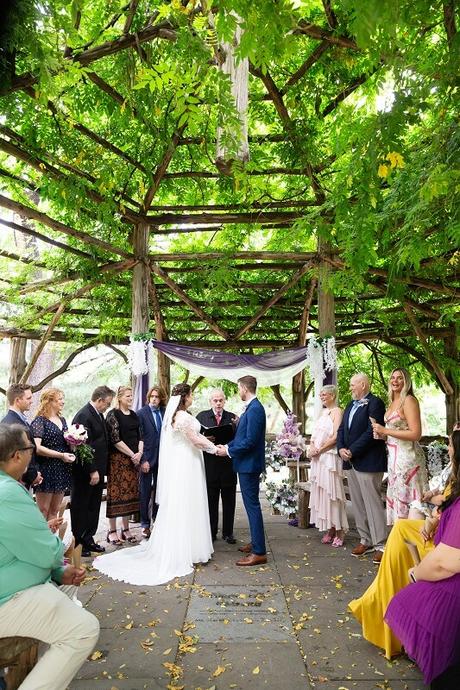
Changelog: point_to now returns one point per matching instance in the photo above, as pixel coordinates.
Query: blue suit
(148, 480)
(247, 451)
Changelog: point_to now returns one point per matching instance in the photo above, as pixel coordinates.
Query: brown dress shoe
(247, 548)
(252, 559)
(361, 549)
(378, 555)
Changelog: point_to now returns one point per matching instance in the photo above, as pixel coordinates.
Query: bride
(181, 534)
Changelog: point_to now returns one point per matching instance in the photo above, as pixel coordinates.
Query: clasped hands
(221, 451)
(345, 454)
(73, 575)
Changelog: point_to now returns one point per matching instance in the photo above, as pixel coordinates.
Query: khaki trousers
(48, 615)
(367, 506)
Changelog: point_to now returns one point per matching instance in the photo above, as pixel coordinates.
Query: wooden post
(40, 347)
(163, 362)
(298, 381)
(452, 399)
(326, 302)
(17, 359)
(140, 284)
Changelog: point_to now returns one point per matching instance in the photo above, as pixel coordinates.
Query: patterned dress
(57, 474)
(122, 475)
(407, 477)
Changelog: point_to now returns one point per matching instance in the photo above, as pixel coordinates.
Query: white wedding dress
(181, 535)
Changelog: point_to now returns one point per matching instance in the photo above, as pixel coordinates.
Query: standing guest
(151, 420)
(247, 451)
(220, 476)
(425, 615)
(327, 495)
(48, 429)
(365, 461)
(31, 557)
(19, 396)
(407, 477)
(88, 478)
(123, 468)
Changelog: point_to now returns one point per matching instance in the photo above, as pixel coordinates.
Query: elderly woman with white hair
(327, 495)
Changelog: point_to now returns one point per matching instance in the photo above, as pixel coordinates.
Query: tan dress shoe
(247, 548)
(252, 559)
(361, 549)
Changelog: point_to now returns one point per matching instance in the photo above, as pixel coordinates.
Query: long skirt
(122, 486)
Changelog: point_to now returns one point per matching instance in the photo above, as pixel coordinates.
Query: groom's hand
(221, 451)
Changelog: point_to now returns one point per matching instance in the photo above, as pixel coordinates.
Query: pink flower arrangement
(290, 443)
(77, 436)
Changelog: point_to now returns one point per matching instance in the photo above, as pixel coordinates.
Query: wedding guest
(220, 476)
(123, 467)
(48, 429)
(31, 559)
(365, 461)
(392, 574)
(19, 397)
(150, 420)
(327, 495)
(425, 615)
(407, 477)
(88, 478)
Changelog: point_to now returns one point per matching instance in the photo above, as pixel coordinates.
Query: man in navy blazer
(365, 461)
(19, 396)
(150, 419)
(247, 451)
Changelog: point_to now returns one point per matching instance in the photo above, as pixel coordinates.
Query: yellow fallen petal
(96, 655)
(167, 651)
(218, 672)
(248, 620)
(256, 670)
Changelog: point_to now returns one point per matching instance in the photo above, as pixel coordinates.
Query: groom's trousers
(249, 484)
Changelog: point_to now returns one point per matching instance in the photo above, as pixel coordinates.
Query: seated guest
(425, 615)
(393, 572)
(31, 559)
(19, 396)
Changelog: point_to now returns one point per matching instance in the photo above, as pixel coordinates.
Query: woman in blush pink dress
(327, 495)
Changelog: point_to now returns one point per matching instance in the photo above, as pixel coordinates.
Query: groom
(247, 451)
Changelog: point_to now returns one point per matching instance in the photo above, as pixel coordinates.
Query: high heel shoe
(115, 542)
(131, 539)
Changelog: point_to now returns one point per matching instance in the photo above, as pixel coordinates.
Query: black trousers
(85, 505)
(147, 488)
(449, 680)
(228, 494)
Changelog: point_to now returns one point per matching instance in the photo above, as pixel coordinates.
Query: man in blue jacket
(151, 420)
(365, 461)
(19, 396)
(247, 451)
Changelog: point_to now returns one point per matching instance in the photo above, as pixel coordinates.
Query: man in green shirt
(31, 560)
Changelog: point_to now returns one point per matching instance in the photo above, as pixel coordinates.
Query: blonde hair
(121, 390)
(330, 389)
(47, 397)
(407, 388)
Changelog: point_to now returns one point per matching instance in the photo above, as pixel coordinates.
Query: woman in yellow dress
(392, 575)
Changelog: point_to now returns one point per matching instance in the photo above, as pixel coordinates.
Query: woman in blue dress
(53, 452)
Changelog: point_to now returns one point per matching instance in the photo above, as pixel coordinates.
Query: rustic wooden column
(326, 302)
(17, 359)
(298, 381)
(140, 283)
(163, 362)
(452, 398)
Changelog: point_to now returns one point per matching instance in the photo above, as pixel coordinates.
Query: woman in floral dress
(407, 477)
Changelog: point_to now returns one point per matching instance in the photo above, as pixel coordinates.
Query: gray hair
(11, 439)
(330, 389)
(217, 390)
(362, 377)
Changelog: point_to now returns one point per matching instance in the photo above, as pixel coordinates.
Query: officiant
(220, 477)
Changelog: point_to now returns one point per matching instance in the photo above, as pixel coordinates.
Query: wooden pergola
(121, 235)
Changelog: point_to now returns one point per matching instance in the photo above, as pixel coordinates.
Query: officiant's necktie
(218, 417)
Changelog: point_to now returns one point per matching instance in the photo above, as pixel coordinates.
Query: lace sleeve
(114, 427)
(184, 424)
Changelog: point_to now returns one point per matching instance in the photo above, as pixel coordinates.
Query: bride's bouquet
(77, 436)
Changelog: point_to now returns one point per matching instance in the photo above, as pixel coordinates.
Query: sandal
(337, 543)
(131, 539)
(328, 538)
(115, 542)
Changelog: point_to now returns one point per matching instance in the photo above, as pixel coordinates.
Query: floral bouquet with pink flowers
(77, 436)
(290, 443)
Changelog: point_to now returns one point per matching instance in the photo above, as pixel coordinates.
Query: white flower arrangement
(437, 458)
(282, 496)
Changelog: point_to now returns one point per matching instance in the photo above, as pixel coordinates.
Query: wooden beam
(74, 275)
(321, 34)
(39, 349)
(279, 398)
(218, 256)
(442, 378)
(303, 69)
(160, 172)
(265, 307)
(163, 362)
(206, 218)
(29, 212)
(43, 238)
(62, 369)
(304, 319)
(188, 301)
(256, 205)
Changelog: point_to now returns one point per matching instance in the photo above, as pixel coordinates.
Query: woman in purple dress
(425, 615)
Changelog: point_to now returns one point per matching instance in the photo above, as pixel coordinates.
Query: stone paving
(283, 625)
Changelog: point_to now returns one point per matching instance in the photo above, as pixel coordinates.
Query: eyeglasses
(26, 448)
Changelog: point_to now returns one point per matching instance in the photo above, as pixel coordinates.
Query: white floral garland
(321, 357)
(137, 356)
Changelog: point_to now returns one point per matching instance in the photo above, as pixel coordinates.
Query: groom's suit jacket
(247, 449)
(368, 453)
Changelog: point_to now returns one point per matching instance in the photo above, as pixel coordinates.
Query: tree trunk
(163, 362)
(298, 399)
(452, 399)
(140, 300)
(326, 303)
(17, 359)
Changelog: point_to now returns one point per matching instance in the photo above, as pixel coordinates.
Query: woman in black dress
(53, 452)
(123, 467)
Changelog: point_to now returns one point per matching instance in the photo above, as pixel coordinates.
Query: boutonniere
(363, 403)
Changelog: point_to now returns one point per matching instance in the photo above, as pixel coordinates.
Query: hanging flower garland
(137, 353)
(321, 357)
